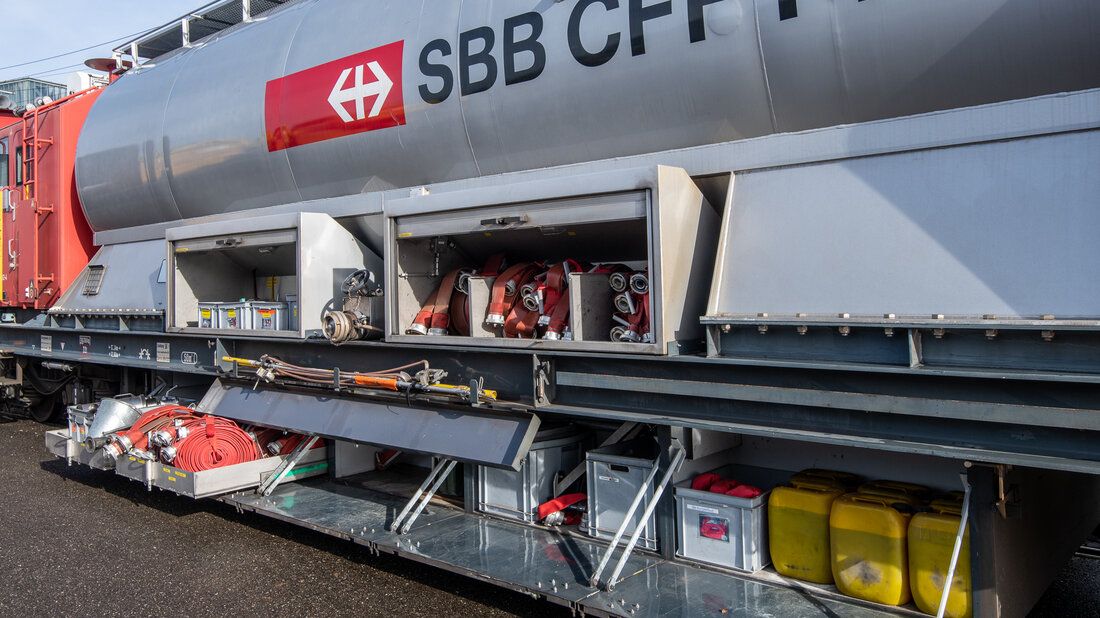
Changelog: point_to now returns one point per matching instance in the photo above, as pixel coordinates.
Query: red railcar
(46, 239)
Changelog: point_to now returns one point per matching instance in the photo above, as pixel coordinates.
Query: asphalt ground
(76, 542)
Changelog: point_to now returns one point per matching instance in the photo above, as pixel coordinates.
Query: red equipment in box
(46, 239)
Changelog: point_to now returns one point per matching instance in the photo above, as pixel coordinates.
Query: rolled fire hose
(559, 317)
(639, 283)
(423, 320)
(505, 290)
(618, 281)
(521, 323)
(624, 303)
(434, 318)
(214, 443)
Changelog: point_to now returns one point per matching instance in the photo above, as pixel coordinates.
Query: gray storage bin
(517, 494)
(234, 315)
(615, 474)
(268, 315)
(725, 530)
(208, 315)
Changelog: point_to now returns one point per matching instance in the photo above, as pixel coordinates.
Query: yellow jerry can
(798, 528)
(869, 547)
(931, 541)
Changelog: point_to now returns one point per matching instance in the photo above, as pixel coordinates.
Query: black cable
(69, 53)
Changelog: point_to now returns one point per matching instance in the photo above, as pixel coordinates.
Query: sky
(38, 29)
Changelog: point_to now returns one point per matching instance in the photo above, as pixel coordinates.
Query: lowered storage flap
(498, 439)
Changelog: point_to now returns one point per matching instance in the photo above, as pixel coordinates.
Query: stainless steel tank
(568, 81)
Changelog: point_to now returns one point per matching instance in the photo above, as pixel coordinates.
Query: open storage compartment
(222, 480)
(269, 276)
(443, 249)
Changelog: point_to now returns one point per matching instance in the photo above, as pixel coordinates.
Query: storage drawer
(228, 479)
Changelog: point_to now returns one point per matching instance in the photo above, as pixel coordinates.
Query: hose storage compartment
(612, 262)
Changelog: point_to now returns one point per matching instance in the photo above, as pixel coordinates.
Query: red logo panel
(359, 93)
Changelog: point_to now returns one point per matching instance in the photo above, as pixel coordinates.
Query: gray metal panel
(186, 137)
(490, 438)
(1039, 116)
(1002, 228)
(670, 589)
(130, 281)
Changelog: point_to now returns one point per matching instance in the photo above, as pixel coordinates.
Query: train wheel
(45, 409)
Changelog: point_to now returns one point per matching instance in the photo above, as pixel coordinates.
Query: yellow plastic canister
(869, 547)
(798, 528)
(896, 489)
(847, 479)
(931, 541)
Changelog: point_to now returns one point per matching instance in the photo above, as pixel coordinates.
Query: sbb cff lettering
(523, 56)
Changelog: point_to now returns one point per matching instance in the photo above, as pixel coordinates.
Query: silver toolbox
(517, 494)
(615, 474)
(269, 315)
(234, 315)
(234, 478)
(726, 530)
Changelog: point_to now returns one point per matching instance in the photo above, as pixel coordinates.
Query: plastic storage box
(798, 527)
(868, 539)
(517, 494)
(615, 474)
(268, 315)
(234, 315)
(723, 530)
(931, 541)
(208, 315)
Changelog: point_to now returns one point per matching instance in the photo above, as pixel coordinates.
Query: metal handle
(504, 220)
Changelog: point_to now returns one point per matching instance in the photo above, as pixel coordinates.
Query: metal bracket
(677, 460)
(544, 382)
(916, 352)
(423, 495)
(1005, 492)
(284, 468)
(625, 431)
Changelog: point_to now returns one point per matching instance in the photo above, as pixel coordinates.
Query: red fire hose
(137, 437)
(214, 442)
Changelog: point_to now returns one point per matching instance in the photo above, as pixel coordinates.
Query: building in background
(28, 89)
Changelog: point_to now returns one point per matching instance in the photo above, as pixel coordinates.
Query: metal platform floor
(538, 561)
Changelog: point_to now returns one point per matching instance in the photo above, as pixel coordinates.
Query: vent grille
(94, 280)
